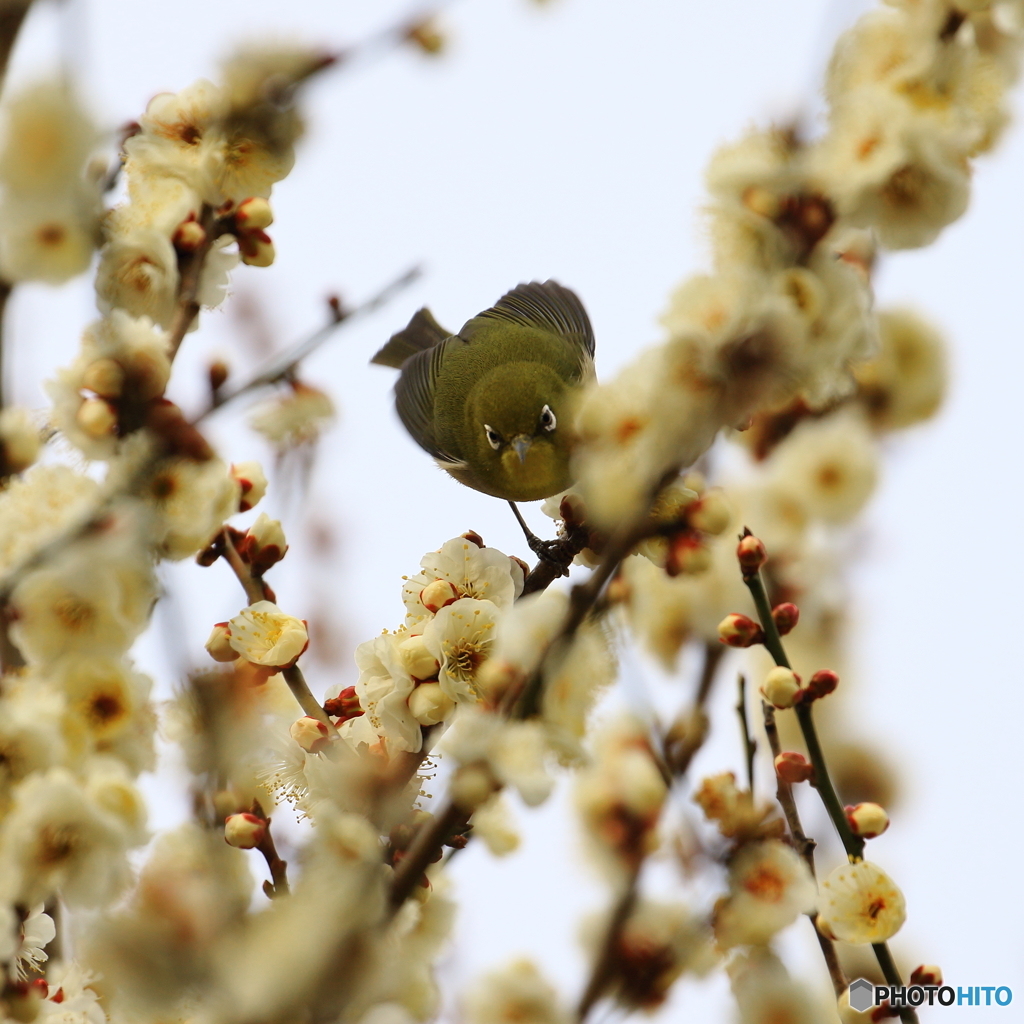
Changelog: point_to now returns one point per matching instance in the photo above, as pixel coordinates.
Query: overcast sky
(568, 141)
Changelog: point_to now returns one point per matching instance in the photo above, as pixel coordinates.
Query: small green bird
(490, 403)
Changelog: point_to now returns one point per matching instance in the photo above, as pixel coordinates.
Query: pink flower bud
(792, 767)
(785, 616)
(344, 706)
(751, 554)
(254, 213)
(244, 830)
(218, 646)
(687, 555)
(189, 236)
(822, 683)
(96, 417)
(926, 974)
(438, 594)
(737, 630)
(253, 482)
(256, 248)
(867, 820)
(105, 377)
(781, 687)
(310, 734)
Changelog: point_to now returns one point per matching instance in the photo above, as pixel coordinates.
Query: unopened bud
(438, 594)
(23, 1000)
(572, 510)
(792, 767)
(711, 514)
(244, 830)
(687, 555)
(310, 734)
(253, 482)
(345, 706)
(105, 377)
(264, 544)
(822, 683)
(781, 687)
(471, 785)
(926, 974)
(867, 820)
(751, 554)
(256, 248)
(522, 565)
(418, 660)
(737, 630)
(474, 538)
(218, 646)
(227, 802)
(426, 37)
(254, 212)
(785, 616)
(96, 418)
(189, 236)
(147, 375)
(217, 373)
(429, 704)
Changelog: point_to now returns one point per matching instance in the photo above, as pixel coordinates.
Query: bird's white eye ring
(493, 437)
(547, 419)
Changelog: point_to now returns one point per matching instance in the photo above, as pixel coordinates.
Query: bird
(492, 403)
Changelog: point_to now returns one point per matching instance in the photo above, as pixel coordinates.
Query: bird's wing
(547, 306)
(422, 333)
(414, 397)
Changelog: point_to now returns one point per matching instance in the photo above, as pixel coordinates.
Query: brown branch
(602, 975)
(278, 884)
(191, 272)
(749, 743)
(12, 14)
(283, 367)
(804, 846)
(423, 852)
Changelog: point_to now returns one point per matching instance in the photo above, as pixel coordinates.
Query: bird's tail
(422, 333)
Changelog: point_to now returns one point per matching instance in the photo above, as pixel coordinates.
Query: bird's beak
(522, 446)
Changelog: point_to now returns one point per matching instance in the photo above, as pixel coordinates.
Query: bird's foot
(557, 552)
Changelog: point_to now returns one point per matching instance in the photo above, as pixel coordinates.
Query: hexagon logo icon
(861, 995)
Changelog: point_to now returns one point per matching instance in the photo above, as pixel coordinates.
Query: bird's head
(518, 421)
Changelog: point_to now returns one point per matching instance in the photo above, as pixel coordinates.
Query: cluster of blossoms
(779, 345)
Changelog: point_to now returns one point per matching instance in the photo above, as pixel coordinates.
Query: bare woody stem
(804, 846)
(191, 271)
(422, 853)
(278, 884)
(284, 367)
(604, 966)
(749, 743)
(854, 845)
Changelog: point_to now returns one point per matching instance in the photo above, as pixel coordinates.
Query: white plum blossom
(264, 635)
(460, 637)
(384, 687)
(770, 886)
(860, 903)
(57, 839)
(474, 571)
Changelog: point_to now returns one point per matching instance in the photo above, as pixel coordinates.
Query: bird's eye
(493, 437)
(547, 419)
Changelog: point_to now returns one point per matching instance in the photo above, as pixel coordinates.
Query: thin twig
(854, 845)
(423, 852)
(602, 974)
(284, 366)
(191, 272)
(254, 587)
(749, 743)
(804, 846)
(278, 884)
